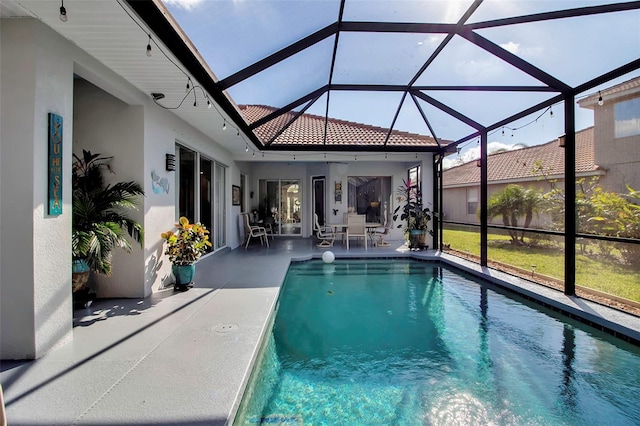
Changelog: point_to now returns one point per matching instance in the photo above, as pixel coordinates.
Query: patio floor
(184, 358)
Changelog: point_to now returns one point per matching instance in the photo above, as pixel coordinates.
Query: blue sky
(231, 34)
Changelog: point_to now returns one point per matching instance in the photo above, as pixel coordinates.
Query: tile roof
(625, 88)
(519, 164)
(308, 129)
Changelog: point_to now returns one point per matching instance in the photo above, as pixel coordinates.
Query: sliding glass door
(281, 205)
(200, 193)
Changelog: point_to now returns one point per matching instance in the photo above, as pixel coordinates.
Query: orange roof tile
(308, 129)
(520, 164)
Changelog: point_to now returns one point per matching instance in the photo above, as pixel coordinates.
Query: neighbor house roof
(625, 88)
(309, 129)
(521, 164)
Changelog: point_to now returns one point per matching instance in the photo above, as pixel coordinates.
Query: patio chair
(324, 233)
(253, 231)
(380, 233)
(356, 228)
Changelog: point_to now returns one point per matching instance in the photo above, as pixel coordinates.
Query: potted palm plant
(416, 217)
(100, 222)
(184, 248)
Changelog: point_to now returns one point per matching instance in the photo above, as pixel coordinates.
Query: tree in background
(512, 203)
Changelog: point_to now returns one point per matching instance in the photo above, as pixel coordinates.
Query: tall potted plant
(100, 222)
(184, 248)
(416, 217)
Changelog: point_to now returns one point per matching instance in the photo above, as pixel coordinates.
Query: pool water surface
(401, 342)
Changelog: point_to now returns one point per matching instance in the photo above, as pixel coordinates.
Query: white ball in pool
(328, 257)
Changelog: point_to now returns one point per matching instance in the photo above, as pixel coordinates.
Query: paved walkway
(184, 358)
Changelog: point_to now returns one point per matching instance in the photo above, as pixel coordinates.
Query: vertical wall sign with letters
(55, 164)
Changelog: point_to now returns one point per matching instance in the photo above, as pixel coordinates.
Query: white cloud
(511, 47)
(473, 153)
(185, 4)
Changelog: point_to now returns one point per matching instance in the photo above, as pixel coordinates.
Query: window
(627, 118)
(415, 178)
(370, 196)
(472, 200)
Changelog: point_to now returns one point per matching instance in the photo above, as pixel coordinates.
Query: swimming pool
(392, 342)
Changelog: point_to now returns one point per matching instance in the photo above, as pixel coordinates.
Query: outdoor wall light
(562, 140)
(170, 162)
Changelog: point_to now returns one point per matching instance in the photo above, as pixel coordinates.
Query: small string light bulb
(253, 154)
(237, 133)
(188, 85)
(600, 101)
(224, 124)
(550, 112)
(246, 148)
(503, 131)
(149, 47)
(63, 12)
(208, 103)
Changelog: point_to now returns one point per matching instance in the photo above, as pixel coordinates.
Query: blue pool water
(400, 342)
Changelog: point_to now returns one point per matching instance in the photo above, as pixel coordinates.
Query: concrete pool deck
(184, 358)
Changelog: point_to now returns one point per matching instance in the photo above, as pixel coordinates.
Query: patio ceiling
(443, 69)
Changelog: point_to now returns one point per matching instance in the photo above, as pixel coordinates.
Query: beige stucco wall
(106, 125)
(35, 249)
(619, 157)
(455, 202)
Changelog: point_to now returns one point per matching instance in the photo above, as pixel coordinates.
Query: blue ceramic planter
(184, 273)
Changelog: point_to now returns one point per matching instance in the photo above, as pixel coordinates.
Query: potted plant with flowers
(415, 215)
(184, 248)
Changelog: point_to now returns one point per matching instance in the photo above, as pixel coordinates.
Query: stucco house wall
(35, 256)
(620, 157)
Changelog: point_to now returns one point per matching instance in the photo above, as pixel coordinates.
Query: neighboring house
(461, 184)
(617, 134)
(610, 150)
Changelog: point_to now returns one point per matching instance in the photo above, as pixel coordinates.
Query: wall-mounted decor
(55, 165)
(338, 192)
(236, 195)
(158, 184)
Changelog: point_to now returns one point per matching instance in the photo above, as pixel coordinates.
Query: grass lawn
(607, 276)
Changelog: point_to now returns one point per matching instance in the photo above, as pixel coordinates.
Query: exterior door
(319, 199)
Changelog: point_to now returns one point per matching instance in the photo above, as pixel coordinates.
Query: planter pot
(184, 275)
(80, 275)
(418, 239)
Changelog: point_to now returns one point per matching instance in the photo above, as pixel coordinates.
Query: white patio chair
(324, 233)
(356, 228)
(253, 231)
(380, 233)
